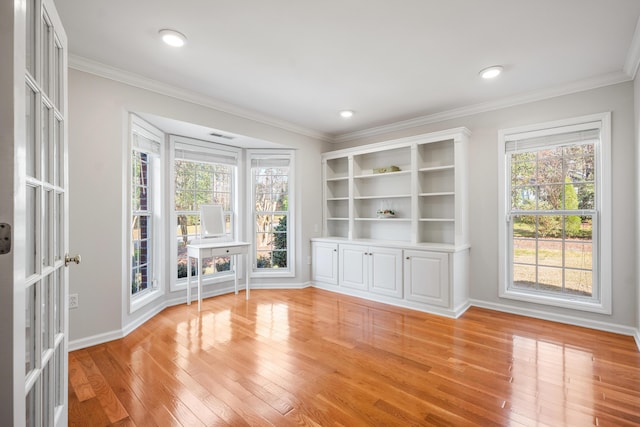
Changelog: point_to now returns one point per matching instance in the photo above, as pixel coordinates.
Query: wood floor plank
(315, 358)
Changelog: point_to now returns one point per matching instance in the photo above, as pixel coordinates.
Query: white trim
(459, 311)
(290, 271)
(366, 295)
(136, 302)
(633, 54)
(603, 228)
(136, 323)
(93, 67)
(525, 98)
(558, 318)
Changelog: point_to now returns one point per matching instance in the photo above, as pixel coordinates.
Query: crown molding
(633, 54)
(99, 69)
(93, 67)
(574, 87)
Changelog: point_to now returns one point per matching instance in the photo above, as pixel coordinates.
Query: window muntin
(203, 173)
(198, 183)
(141, 223)
(554, 211)
(145, 206)
(271, 199)
(552, 247)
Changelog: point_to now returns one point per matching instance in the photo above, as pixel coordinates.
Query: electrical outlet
(73, 300)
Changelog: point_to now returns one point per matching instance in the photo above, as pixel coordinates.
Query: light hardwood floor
(315, 358)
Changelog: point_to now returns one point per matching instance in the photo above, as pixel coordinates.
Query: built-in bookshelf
(409, 190)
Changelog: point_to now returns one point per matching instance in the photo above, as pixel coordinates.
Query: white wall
(483, 189)
(98, 110)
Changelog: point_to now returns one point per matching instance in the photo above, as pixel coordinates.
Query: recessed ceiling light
(491, 72)
(345, 114)
(173, 38)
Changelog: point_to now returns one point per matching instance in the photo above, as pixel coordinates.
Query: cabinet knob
(408, 257)
(335, 250)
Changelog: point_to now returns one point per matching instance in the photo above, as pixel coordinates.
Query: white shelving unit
(427, 191)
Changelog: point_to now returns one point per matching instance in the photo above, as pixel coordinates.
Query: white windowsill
(138, 301)
(565, 302)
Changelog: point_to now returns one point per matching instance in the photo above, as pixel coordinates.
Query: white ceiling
(299, 62)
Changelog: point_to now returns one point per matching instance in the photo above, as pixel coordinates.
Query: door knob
(68, 258)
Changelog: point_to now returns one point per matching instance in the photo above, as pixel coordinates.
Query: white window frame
(602, 221)
(139, 126)
(291, 219)
(208, 150)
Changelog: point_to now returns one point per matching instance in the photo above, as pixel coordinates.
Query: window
(203, 173)
(145, 237)
(271, 193)
(555, 239)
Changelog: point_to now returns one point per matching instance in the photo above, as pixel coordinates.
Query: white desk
(203, 249)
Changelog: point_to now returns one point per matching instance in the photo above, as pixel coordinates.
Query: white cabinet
(417, 255)
(426, 277)
(373, 269)
(325, 262)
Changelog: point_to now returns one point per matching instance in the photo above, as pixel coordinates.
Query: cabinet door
(385, 269)
(354, 266)
(426, 277)
(325, 262)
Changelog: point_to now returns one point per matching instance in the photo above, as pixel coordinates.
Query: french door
(34, 216)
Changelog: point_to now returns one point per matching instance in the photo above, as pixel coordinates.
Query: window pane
(47, 403)
(553, 253)
(31, 406)
(58, 74)
(30, 109)
(579, 282)
(45, 307)
(550, 197)
(270, 189)
(198, 183)
(524, 198)
(32, 215)
(59, 152)
(31, 36)
(46, 232)
(58, 308)
(549, 226)
(524, 276)
(46, 144)
(550, 252)
(223, 264)
(585, 194)
(263, 259)
(550, 279)
(30, 329)
(45, 49)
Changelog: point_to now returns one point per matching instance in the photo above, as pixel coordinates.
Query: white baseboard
(95, 340)
(453, 314)
(133, 325)
(560, 318)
